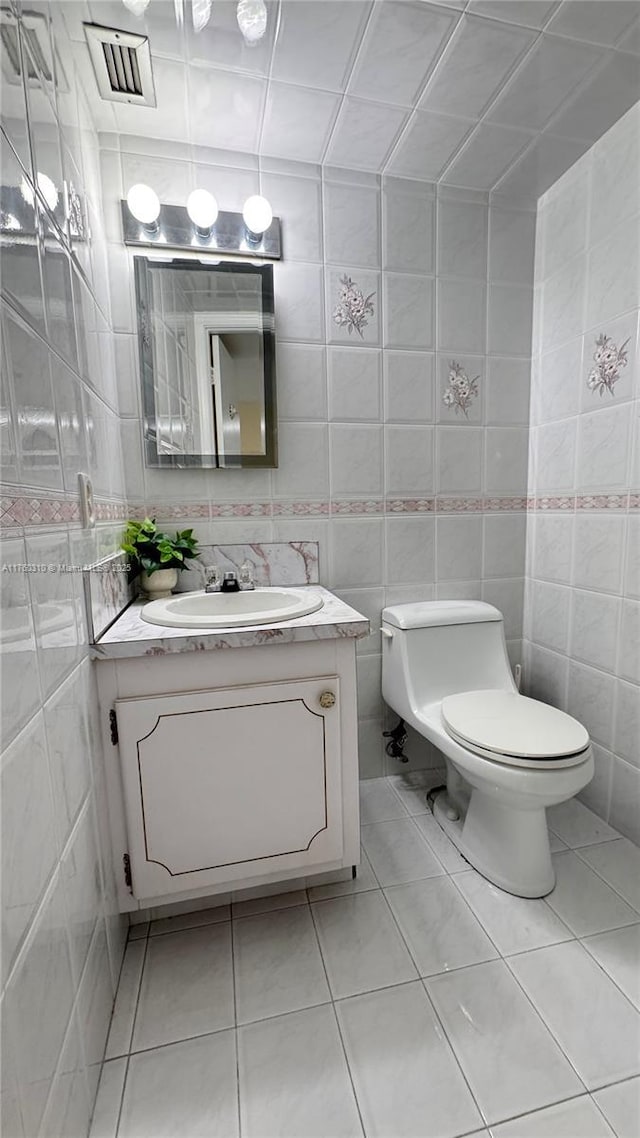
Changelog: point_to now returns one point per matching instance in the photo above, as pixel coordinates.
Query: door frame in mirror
(154, 458)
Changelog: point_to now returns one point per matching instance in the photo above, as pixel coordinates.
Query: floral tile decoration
(353, 307)
(608, 361)
(460, 390)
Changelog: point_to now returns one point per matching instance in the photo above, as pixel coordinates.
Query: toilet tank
(438, 648)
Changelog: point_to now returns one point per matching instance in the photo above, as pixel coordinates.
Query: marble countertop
(130, 635)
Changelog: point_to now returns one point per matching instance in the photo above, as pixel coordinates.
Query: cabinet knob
(327, 699)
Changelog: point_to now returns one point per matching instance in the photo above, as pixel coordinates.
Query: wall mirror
(207, 362)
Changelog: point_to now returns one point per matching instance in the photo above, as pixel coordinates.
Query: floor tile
(364, 880)
(619, 864)
(555, 843)
(621, 1107)
(106, 1111)
(124, 1010)
(187, 986)
(618, 953)
(594, 1023)
(412, 788)
(577, 825)
(182, 921)
(398, 852)
(269, 903)
(441, 845)
(583, 900)
(511, 1061)
(278, 966)
(188, 1088)
(378, 803)
(393, 1039)
(438, 926)
(578, 1118)
(514, 924)
(294, 1079)
(361, 945)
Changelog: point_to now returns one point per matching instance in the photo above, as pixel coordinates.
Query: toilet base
(509, 847)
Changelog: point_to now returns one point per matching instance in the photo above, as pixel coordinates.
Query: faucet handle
(213, 579)
(245, 576)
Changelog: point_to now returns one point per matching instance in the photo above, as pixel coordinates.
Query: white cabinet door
(229, 784)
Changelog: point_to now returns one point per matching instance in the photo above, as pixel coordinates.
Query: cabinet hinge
(126, 861)
(113, 727)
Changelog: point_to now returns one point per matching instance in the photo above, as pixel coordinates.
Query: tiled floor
(416, 1001)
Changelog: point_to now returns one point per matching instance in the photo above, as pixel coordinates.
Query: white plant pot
(160, 583)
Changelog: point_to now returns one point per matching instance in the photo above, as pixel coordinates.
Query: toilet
(446, 672)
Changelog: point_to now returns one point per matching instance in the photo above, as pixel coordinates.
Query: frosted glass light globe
(252, 20)
(202, 208)
(257, 214)
(47, 189)
(144, 203)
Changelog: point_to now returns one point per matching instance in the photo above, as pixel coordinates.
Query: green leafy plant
(150, 549)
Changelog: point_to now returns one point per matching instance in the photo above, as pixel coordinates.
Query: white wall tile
(409, 461)
(408, 383)
(355, 384)
(356, 460)
(410, 550)
(408, 220)
(352, 225)
(462, 238)
(459, 548)
(459, 460)
(461, 316)
(409, 304)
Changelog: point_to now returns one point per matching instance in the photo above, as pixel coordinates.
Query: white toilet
(445, 671)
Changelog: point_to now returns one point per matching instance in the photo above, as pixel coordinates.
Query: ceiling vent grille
(122, 65)
(37, 56)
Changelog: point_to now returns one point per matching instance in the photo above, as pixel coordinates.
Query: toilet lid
(511, 724)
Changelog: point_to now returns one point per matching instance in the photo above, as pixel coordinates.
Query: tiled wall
(583, 587)
(62, 941)
(408, 497)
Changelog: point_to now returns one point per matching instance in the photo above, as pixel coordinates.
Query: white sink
(231, 610)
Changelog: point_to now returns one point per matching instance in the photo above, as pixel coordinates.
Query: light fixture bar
(175, 230)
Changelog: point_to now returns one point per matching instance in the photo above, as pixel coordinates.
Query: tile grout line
(236, 1034)
(133, 1024)
(337, 1022)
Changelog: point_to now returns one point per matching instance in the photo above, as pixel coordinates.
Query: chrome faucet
(213, 580)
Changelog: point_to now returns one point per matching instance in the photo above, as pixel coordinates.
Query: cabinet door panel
(227, 784)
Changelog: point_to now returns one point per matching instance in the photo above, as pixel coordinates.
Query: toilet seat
(510, 728)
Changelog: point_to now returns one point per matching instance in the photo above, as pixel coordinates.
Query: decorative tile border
(31, 511)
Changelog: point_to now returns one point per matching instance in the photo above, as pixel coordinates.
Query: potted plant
(157, 556)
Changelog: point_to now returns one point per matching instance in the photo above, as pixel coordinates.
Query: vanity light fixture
(202, 208)
(252, 20)
(257, 215)
(144, 204)
(199, 224)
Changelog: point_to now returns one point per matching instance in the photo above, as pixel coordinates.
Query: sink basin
(231, 610)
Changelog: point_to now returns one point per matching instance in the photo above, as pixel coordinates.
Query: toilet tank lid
(428, 614)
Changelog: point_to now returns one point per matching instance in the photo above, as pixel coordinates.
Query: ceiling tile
(530, 13)
(476, 63)
(401, 45)
(225, 108)
(364, 134)
(158, 23)
(630, 41)
(541, 166)
(428, 145)
(168, 119)
(602, 101)
(317, 41)
(222, 44)
(486, 156)
(297, 122)
(544, 81)
(602, 23)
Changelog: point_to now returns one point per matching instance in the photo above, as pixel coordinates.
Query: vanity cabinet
(221, 785)
(230, 769)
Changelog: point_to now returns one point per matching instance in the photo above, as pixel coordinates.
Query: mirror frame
(152, 457)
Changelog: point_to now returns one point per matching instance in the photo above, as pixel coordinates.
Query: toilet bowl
(445, 671)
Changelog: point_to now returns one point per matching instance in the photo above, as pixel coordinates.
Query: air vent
(122, 65)
(37, 56)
